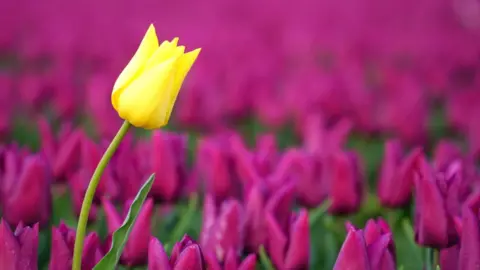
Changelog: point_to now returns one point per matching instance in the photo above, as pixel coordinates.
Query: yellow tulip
(146, 90)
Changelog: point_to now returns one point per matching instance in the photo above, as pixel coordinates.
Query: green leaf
(318, 212)
(267, 264)
(120, 236)
(186, 220)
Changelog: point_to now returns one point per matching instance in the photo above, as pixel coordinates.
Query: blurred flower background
(335, 134)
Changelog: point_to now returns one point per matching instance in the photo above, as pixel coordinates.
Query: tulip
(146, 90)
(321, 141)
(289, 248)
(448, 258)
(186, 254)
(435, 199)
(288, 236)
(263, 157)
(167, 160)
(344, 180)
(26, 193)
(63, 152)
(222, 229)
(312, 187)
(136, 248)
(231, 262)
(445, 153)
(255, 227)
(470, 241)
(216, 166)
(63, 240)
(365, 251)
(127, 171)
(18, 250)
(397, 175)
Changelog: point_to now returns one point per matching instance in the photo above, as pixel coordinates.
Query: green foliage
(120, 236)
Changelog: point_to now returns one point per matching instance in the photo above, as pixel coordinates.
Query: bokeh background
(277, 83)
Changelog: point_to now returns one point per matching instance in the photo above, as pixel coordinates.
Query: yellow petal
(164, 52)
(184, 64)
(175, 41)
(142, 97)
(146, 49)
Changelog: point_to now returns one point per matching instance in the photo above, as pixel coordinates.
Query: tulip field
(240, 135)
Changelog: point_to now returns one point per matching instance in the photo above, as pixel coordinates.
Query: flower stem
(183, 224)
(265, 261)
(89, 194)
(429, 259)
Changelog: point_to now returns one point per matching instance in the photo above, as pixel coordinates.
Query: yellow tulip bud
(146, 90)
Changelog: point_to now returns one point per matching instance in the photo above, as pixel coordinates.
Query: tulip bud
(222, 229)
(126, 170)
(470, 241)
(186, 254)
(216, 167)
(63, 241)
(136, 248)
(26, 193)
(396, 175)
(231, 262)
(145, 92)
(370, 249)
(62, 153)
(18, 250)
(255, 230)
(289, 248)
(345, 182)
(168, 162)
(444, 154)
(434, 225)
(322, 141)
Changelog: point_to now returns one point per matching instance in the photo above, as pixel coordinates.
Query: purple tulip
(126, 170)
(288, 236)
(321, 141)
(470, 240)
(261, 159)
(18, 250)
(255, 227)
(62, 153)
(167, 160)
(63, 241)
(186, 254)
(435, 203)
(344, 181)
(216, 167)
(231, 262)
(136, 248)
(26, 193)
(397, 175)
(222, 228)
(311, 184)
(448, 259)
(374, 230)
(367, 250)
(445, 153)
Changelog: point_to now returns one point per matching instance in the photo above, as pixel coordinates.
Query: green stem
(318, 212)
(87, 200)
(436, 258)
(429, 259)
(182, 227)
(267, 264)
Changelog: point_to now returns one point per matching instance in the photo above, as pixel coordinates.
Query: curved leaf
(120, 236)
